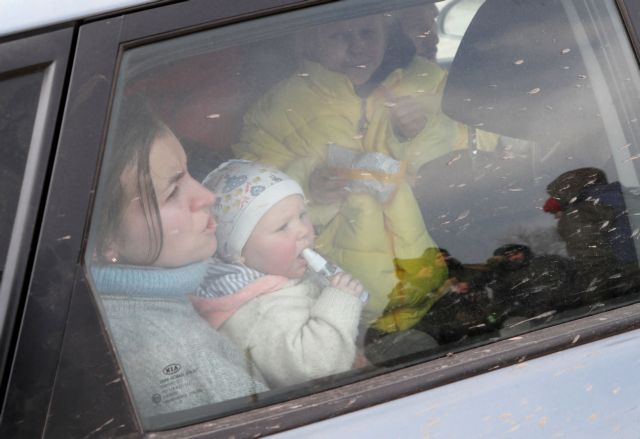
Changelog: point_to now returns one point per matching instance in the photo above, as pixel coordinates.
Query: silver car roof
(23, 15)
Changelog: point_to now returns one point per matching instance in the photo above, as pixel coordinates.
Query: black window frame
(47, 53)
(63, 344)
(630, 12)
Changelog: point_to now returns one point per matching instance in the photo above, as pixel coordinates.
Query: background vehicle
(571, 372)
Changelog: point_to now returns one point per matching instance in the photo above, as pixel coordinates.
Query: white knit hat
(245, 191)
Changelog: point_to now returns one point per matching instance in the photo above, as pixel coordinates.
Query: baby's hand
(346, 283)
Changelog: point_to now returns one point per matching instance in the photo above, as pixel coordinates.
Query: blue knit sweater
(148, 282)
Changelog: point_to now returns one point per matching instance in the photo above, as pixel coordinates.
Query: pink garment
(216, 310)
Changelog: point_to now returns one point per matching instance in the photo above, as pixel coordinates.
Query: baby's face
(352, 47)
(277, 241)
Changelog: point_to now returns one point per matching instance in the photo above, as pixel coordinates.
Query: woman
(153, 235)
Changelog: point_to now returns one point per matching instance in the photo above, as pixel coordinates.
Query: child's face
(277, 241)
(419, 24)
(188, 229)
(352, 47)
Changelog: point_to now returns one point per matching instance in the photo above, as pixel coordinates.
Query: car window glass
(466, 202)
(18, 104)
(459, 16)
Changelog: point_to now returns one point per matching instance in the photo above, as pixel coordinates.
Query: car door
(33, 73)
(203, 66)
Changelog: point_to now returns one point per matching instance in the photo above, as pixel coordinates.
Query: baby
(260, 293)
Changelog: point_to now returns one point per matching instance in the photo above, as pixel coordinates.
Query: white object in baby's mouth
(319, 264)
(326, 269)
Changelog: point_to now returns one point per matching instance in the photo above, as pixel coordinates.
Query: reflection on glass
(458, 16)
(471, 204)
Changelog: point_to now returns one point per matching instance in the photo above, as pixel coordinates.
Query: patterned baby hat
(245, 191)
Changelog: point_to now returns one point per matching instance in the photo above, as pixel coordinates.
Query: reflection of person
(527, 285)
(510, 257)
(327, 101)
(591, 217)
(154, 237)
(260, 293)
(593, 222)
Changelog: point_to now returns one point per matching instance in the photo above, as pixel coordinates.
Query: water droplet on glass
(454, 159)
(463, 215)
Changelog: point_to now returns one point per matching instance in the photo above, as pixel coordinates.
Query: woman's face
(188, 229)
(352, 47)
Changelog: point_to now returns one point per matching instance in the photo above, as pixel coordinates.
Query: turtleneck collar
(148, 282)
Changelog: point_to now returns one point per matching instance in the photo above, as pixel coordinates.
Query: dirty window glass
(18, 104)
(445, 202)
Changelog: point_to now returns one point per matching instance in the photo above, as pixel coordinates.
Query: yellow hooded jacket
(291, 127)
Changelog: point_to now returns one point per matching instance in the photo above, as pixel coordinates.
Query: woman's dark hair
(398, 54)
(129, 146)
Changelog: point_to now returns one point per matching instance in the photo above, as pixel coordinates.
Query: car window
(301, 201)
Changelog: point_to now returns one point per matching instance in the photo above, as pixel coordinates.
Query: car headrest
(519, 72)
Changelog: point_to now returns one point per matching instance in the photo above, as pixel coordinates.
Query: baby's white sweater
(299, 333)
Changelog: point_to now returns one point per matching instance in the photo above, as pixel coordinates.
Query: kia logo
(171, 369)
